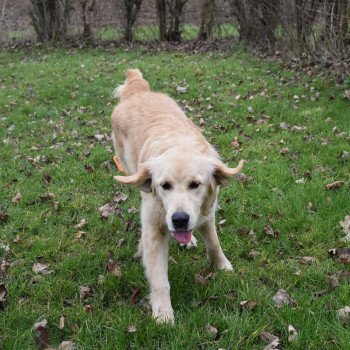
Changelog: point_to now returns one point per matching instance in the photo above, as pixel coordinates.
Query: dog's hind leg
(214, 251)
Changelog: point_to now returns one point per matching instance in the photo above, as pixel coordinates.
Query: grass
(52, 103)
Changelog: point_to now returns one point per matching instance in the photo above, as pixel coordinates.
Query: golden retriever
(178, 172)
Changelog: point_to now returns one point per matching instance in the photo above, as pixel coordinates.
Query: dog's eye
(193, 185)
(166, 186)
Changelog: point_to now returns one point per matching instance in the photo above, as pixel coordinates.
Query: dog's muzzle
(180, 222)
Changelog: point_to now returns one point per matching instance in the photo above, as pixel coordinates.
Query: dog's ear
(142, 179)
(222, 173)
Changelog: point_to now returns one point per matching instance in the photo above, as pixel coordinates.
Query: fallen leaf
(81, 224)
(3, 295)
(121, 242)
(211, 331)
(132, 329)
(42, 269)
(42, 334)
(269, 231)
(268, 337)
(47, 196)
(221, 222)
(334, 185)
(114, 267)
(307, 260)
(135, 296)
(234, 143)
(248, 304)
(253, 253)
(292, 334)
(344, 314)
(181, 89)
(67, 345)
(3, 217)
(300, 181)
(4, 266)
(272, 340)
(99, 137)
(61, 324)
(345, 224)
(345, 155)
(85, 292)
(16, 198)
(201, 280)
(250, 109)
(284, 150)
(284, 126)
(109, 209)
(120, 197)
(80, 234)
(333, 281)
(282, 298)
(88, 308)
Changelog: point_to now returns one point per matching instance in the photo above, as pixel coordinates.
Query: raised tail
(134, 83)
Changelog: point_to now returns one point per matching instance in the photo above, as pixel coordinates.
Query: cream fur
(157, 143)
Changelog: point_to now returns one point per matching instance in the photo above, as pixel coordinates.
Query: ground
(56, 169)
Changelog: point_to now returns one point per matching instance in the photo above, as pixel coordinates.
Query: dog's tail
(134, 83)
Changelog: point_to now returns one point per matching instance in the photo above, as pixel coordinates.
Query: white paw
(163, 315)
(191, 244)
(225, 265)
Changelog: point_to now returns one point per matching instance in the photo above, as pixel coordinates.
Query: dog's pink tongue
(182, 236)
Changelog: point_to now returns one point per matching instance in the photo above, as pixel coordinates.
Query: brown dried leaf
(61, 324)
(201, 280)
(120, 197)
(211, 331)
(3, 217)
(88, 308)
(42, 335)
(114, 267)
(135, 296)
(132, 329)
(344, 314)
(268, 337)
(42, 269)
(81, 224)
(282, 298)
(292, 334)
(334, 185)
(248, 304)
(109, 209)
(235, 143)
(307, 260)
(4, 266)
(3, 295)
(16, 198)
(67, 345)
(333, 281)
(85, 292)
(345, 224)
(269, 231)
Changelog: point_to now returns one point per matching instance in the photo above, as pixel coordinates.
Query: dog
(178, 172)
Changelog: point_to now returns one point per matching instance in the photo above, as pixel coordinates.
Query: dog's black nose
(180, 220)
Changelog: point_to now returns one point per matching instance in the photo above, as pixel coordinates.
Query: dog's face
(186, 184)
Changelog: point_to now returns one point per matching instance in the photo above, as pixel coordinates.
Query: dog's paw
(191, 244)
(225, 265)
(164, 315)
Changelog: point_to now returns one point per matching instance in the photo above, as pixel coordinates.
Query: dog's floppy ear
(222, 173)
(142, 179)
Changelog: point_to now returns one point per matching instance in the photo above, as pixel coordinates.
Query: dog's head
(186, 184)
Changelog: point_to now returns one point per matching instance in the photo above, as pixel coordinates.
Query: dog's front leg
(215, 254)
(155, 250)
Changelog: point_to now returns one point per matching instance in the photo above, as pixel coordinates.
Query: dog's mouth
(182, 236)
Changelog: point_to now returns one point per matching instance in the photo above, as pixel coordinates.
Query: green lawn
(53, 103)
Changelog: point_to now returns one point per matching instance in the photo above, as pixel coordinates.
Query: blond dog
(178, 172)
